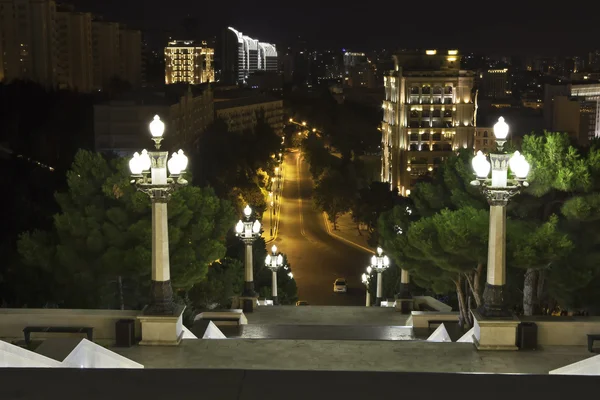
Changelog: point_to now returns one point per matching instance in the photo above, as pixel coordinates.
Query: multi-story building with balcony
(189, 62)
(428, 113)
(484, 140)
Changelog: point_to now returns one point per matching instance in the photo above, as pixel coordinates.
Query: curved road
(316, 258)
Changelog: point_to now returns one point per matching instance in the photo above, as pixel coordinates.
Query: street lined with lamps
(149, 170)
(248, 230)
(498, 190)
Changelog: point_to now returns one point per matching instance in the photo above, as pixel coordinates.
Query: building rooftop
(166, 95)
(241, 100)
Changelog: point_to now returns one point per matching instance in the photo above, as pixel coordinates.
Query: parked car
(339, 286)
(301, 303)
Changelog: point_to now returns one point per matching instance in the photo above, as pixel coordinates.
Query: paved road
(317, 259)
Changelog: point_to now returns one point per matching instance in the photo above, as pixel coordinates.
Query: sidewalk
(347, 232)
(270, 223)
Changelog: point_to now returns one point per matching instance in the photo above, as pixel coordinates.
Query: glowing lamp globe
(256, 227)
(374, 260)
(174, 164)
(519, 165)
(268, 260)
(157, 127)
(247, 211)
(279, 259)
(135, 164)
(379, 251)
(239, 227)
(386, 261)
(183, 160)
(364, 278)
(501, 129)
(369, 270)
(274, 249)
(481, 165)
(145, 161)
(291, 275)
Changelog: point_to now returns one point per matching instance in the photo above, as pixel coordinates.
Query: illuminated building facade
(243, 56)
(428, 113)
(495, 83)
(186, 62)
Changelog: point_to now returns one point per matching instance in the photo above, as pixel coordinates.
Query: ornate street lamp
(274, 261)
(366, 280)
(149, 170)
(379, 263)
(498, 190)
(248, 230)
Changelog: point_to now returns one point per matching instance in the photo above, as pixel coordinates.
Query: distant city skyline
(519, 29)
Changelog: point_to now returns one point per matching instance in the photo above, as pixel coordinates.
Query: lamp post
(498, 190)
(274, 261)
(248, 230)
(149, 173)
(366, 279)
(379, 263)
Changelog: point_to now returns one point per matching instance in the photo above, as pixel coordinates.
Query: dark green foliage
(99, 253)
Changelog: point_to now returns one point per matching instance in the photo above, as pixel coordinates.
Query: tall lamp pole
(366, 280)
(274, 261)
(379, 263)
(248, 230)
(149, 173)
(498, 190)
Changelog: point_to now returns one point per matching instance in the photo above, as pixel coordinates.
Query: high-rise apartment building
(189, 62)
(352, 59)
(107, 53)
(428, 113)
(74, 50)
(130, 54)
(495, 83)
(243, 56)
(28, 41)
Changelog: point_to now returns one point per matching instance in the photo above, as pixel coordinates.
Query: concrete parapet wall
(564, 331)
(420, 319)
(13, 320)
(431, 302)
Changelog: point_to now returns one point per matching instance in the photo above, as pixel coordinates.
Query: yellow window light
(431, 52)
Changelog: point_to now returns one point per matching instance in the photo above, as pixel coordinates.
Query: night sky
(491, 27)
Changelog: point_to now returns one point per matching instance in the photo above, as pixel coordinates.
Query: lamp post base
(161, 299)
(249, 290)
(494, 305)
(404, 292)
(378, 301)
(275, 301)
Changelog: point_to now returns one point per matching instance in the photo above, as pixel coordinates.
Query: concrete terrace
(346, 355)
(329, 355)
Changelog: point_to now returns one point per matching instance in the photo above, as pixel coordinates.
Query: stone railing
(421, 319)
(564, 331)
(13, 320)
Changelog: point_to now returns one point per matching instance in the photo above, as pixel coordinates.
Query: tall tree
(563, 182)
(334, 194)
(99, 252)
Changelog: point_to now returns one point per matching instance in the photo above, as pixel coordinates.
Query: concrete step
(319, 332)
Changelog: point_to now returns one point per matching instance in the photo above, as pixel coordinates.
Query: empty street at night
(316, 258)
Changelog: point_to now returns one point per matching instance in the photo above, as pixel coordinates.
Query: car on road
(339, 286)
(301, 303)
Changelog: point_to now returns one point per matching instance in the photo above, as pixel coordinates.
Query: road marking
(330, 232)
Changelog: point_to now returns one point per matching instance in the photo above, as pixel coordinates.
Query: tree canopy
(99, 252)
